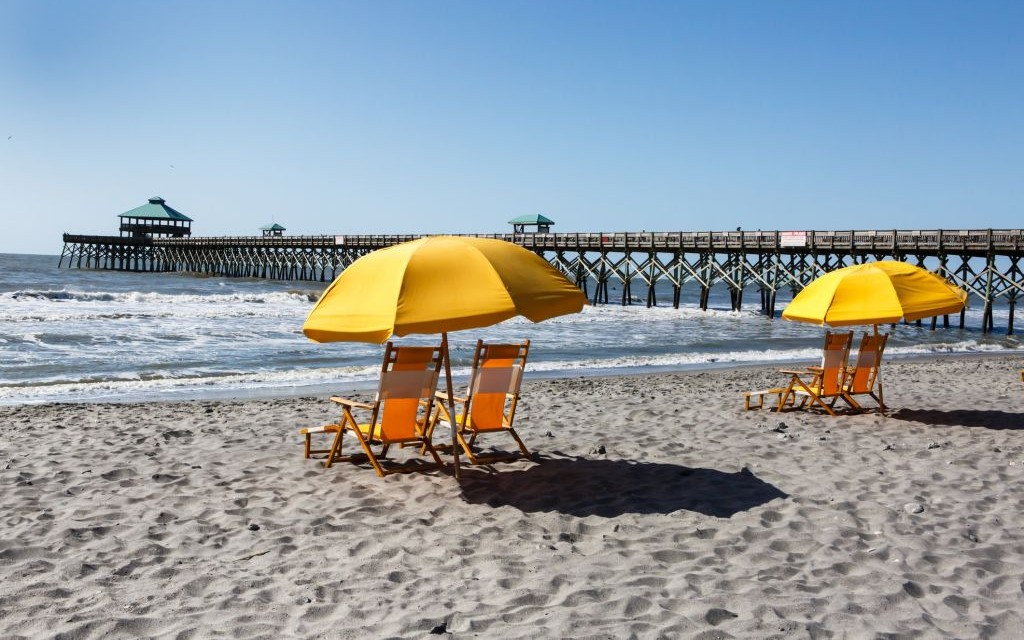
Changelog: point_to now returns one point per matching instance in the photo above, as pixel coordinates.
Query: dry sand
(696, 519)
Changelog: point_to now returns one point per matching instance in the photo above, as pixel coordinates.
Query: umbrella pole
(451, 400)
(878, 369)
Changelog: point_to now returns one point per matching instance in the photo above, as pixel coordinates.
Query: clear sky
(450, 116)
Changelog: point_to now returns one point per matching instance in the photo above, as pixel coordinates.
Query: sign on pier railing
(792, 238)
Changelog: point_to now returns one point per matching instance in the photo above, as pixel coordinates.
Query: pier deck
(985, 262)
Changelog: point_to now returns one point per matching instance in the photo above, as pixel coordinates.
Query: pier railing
(907, 241)
(985, 262)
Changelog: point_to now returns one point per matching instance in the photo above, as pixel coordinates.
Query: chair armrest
(443, 395)
(793, 372)
(351, 403)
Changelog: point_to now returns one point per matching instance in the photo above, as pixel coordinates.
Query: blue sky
(448, 117)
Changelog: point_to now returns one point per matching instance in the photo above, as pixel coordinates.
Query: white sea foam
(69, 295)
(186, 384)
(87, 335)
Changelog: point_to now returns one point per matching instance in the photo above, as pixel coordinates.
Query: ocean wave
(67, 343)
(68, 306)
(961, 347)
(180, 384)
(174, 383)
(294, 296)
(178, 314)
(615, 313)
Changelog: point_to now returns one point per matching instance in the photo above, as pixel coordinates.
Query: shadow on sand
(985, 418)
(608, 488)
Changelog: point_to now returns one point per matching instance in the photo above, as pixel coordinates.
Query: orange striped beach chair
(822, 385)
(489, 405)
(864, 378)
(400, 413)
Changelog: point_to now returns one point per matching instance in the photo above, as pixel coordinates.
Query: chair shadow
(983, 418)
(609, 488)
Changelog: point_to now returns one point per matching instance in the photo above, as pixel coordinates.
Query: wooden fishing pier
(985, 262)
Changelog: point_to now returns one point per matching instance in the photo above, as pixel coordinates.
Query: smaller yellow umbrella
(875, 293)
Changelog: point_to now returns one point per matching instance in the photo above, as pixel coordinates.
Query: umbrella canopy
(875, 293)
(436, 285)
(439, 284)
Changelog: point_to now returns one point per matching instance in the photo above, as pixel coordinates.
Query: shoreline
(364, 386)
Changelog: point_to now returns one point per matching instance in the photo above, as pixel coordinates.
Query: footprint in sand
(715, 617)
(118, 474)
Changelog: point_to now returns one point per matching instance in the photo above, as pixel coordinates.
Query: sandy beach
(655, 507)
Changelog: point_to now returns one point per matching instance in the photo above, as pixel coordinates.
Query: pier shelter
(272, 230)
(542, 224)
(155, 219)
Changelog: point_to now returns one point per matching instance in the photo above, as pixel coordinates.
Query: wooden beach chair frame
(827, 382)
(489, 405)
(865, 376)
(749, 398)
(400, 413)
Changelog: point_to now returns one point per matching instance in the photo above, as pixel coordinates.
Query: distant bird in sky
(9, 137)
(172, 166)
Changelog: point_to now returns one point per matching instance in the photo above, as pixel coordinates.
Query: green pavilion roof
(272, 227)
(155, 209)
(531, 220)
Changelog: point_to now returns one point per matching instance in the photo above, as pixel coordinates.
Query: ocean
(71, 335)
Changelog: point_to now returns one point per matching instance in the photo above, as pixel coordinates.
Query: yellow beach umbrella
(436, 285)
(874, 293)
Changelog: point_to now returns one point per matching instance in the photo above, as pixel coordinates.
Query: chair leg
(335, 449)
(427, 446)
(519, 441)
(433, 452)
(850, 400)
(784, 396)
(816, 399)
(307, 446)
(467, 448)
(813, 397)
(824, 405)
(428, 432)
(878, 401)
(368, 450)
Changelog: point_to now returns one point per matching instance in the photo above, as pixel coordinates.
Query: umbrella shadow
(609, 488)
(984, 418)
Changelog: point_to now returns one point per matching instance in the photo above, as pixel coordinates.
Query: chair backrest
(869, 358)
(833, 362)
(494, 383)
(408, 380)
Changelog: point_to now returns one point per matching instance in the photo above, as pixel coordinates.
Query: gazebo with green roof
(272, 230)
(155, 219)
(543, 224)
